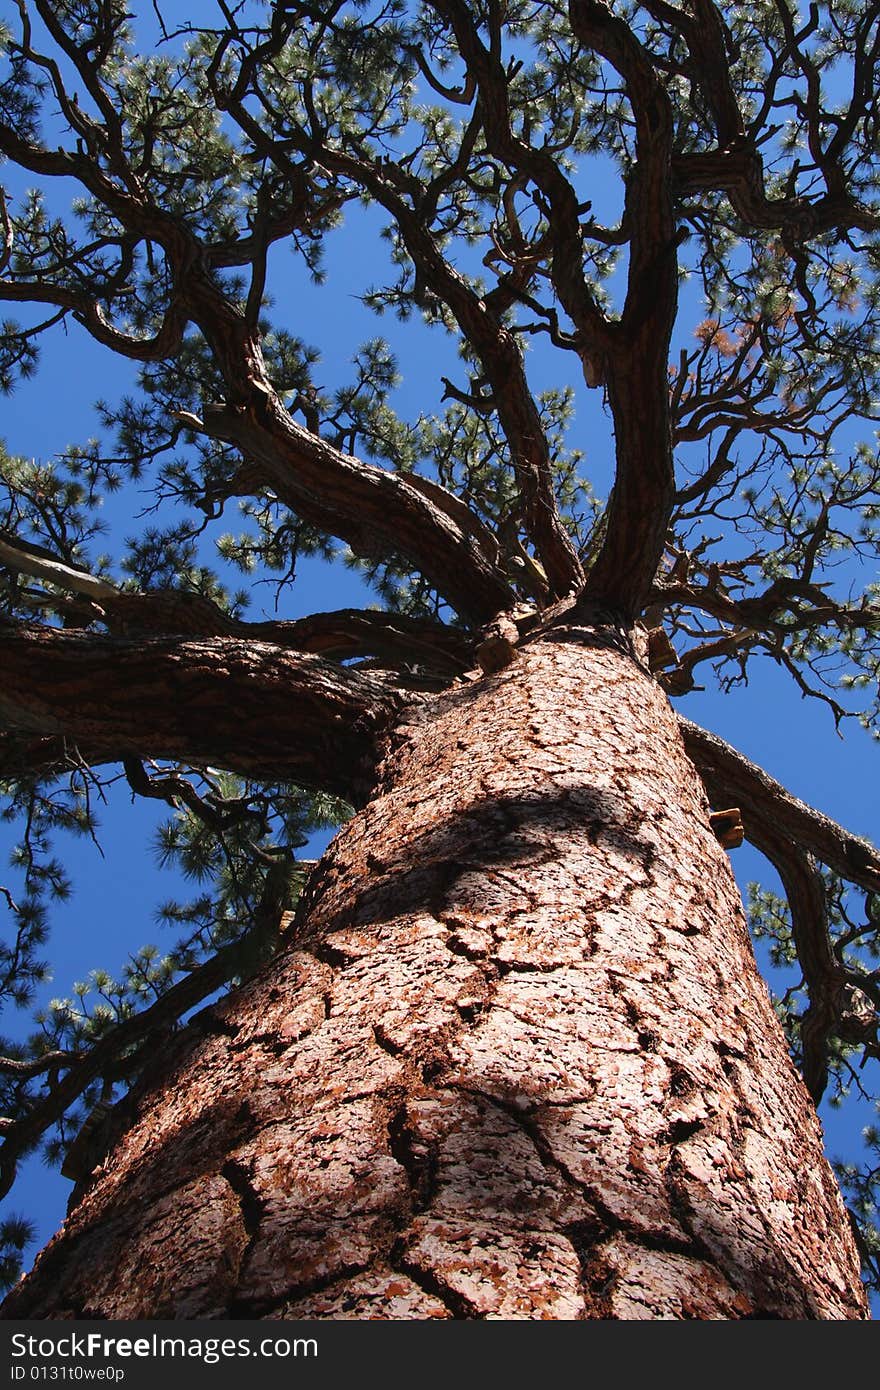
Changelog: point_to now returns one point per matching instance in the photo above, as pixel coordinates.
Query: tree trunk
(514, 1061)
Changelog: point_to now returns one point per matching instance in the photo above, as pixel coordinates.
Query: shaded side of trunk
(515, 1061)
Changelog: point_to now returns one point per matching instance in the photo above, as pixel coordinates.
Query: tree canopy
(662, 218)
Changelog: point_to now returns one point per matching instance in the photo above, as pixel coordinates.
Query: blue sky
(111, 913)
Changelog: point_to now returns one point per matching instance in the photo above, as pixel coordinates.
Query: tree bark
(250, 706)
(514, 1060)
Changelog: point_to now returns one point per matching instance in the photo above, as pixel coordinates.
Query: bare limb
(25, 559)
(25, 1070)
(729, 774)
(791, 834)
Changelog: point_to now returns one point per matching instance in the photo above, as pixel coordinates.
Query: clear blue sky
(115, 896)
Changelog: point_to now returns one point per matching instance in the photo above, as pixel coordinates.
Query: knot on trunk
(498, 647)
(728, 827)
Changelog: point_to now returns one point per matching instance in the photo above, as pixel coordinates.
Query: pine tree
(504, 1051)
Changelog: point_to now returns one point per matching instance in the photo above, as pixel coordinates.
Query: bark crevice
(430, 1283)
(251, 1206)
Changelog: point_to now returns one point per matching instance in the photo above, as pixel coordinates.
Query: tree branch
(223, 701)
(736, 166)
(499, 355)
(824, 977)
(164, 343)
(367, 507)
(790, 833)
(644, 488)
(27, 1069)
(787, 606)
(348, 633)
(26, 559)
(730, 776)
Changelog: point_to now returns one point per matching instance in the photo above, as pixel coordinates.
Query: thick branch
(347, 633)
(392, 637)
(731, 778)
(248, 706)
(164, 343)
(501, 359)
(374, 511)
(641, 502)
(33, 1066)
(35, 561)
(739, 172)
(790, 833)
(824, 977)
(630, 356)
(395, 639)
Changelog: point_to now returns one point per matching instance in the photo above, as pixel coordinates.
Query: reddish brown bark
(515, 1062)
(252, 706)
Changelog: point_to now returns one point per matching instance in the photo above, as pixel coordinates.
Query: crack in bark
(430, 1283)
(209, 1023)
(457, 947)
(680, 1131)
(605, 1223)
(727, 1051)
(251, 1207)
(749, 1287)
(522, 1120)
(421, 1169)
(633, 1017)
(675, 1184)
(586, 1239)
(251, 1204)
(598, 1284)
(328, 954)
(523, 967)
(266, 1308)
(271, 1042)
(381, 1038)
(681, 1083)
